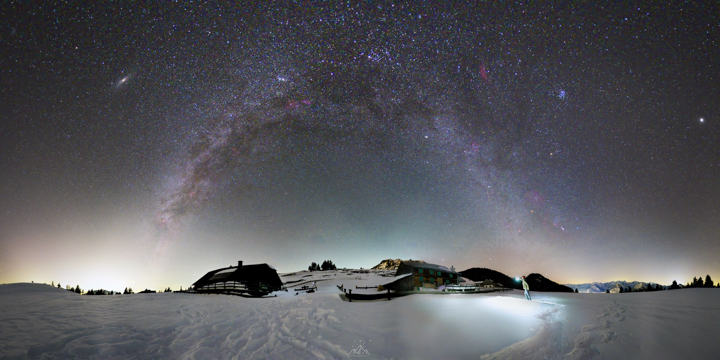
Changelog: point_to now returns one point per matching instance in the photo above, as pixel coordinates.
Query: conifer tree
(328, 265)
(77, 290)
(708, 281)
(700, 282)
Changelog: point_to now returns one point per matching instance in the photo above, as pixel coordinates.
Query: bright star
(702, 120)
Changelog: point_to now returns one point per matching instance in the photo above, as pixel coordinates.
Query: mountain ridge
(601, 287)
(391, 264)
(536, 281)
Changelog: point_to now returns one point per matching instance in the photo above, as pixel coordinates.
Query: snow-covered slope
(39, 321)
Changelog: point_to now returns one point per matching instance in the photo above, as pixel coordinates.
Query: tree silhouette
(708, 281)
(314, 267)
(674, 285)
(328, 265)
(77, 290)
(576, 291)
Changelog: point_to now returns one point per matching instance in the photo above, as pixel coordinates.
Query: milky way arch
(471, 120)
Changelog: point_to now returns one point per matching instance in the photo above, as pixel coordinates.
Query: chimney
(239, 263)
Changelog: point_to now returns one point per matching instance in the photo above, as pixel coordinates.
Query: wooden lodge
(256, 280)
(420, 276)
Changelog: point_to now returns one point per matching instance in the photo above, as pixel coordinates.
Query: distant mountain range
(536, 282)
(598, 287)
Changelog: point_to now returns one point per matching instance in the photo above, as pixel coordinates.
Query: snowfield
(42, 322)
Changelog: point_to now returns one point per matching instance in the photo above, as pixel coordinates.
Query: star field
(143, 144)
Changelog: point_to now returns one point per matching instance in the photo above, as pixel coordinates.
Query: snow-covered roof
(399, 277)
(226, 271)
(427, 266)
(243, 273)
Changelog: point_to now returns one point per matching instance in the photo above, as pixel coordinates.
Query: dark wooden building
(256, 280)
(418, 276)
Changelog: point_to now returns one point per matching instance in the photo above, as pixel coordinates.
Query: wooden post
(388, 294)
(350, 295)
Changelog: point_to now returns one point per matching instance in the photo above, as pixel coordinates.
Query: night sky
(143, 146)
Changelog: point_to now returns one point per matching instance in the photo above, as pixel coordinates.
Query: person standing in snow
(526, 287)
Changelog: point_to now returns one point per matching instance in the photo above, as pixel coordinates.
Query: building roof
(427, 266)
(398, 278)
(256, 272)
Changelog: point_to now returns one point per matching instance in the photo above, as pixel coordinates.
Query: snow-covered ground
(39, 321)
